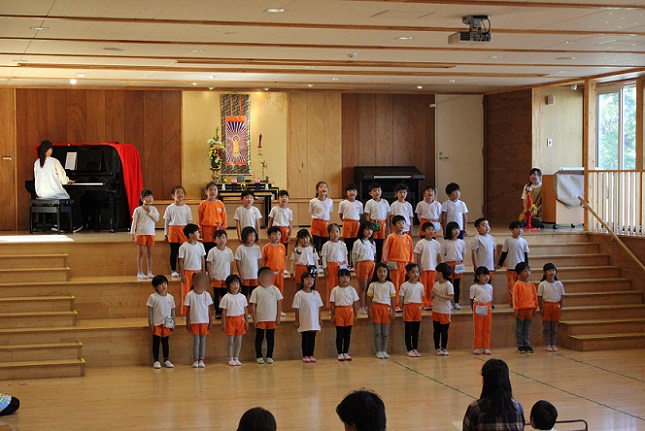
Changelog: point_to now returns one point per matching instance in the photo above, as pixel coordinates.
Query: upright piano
(98, 190)
(388, 177)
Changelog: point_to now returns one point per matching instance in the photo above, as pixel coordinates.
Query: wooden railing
(617, 199)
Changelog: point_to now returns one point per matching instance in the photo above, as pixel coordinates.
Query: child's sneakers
(477, 352)
(201, 364)
(487, 352)
(555, 349)
(379, 355)
(445, 352)
(341, 357)
(416, 353)
(363, 310)
(385, 355)
(306, 360)
(151, 275)
(260, 361)
(529, 349)
(231, 362)
(237, 362)
(457, 306)
(156, 365)
(269, 361)
(411, 354)
(549, 348)
(141, 276)
(312, 359)
(439, 352)
(196, 364)
(347, 357)
(168, 364)
(175, 274)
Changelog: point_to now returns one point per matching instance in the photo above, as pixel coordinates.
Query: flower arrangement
(216, 151)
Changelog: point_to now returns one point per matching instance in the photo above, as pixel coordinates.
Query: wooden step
(40, 352)
(38, 319)
(23, 275)
(607, 298)
(601, 326)
(561, 248)
(623, 340)
(603, 312)
(594, 284)
(23, 370)
(31, 260)
(585, 259)
(16, 304)
(573, 272)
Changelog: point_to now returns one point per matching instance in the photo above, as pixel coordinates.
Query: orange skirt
(412, 312)
(381, 313)
(319, 227)
(176, 234)
(365, 269)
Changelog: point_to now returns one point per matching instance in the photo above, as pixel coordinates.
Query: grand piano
(101, 200)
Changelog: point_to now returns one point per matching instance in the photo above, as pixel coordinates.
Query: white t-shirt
(382, 293)
(220, 261)
(482, 293)
(198, 303)
(484, 246)
(350, 210)
(49, 179)
(428, 252)
(233, 304)
(247, 217)
(454, 212)
(143, 223)
(162, 307)
(377, 210)
(515, 247)
(266, 303)
(308, 306)
(453, 249)
(343, 296)
(321, 209)
(333, 252)
(248, 258)
(430, 211)
(403, 209)
(305, 256)
(281, 216)
(363, 249)
(550, 292)
(412, 293)
(192, 255)
(177, 215)
(443, 306)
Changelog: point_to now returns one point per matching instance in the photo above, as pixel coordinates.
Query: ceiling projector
(478, 31)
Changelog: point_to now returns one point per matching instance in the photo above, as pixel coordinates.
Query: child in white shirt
(282, 217)
(454, 210)
(453, 250)
(219, 264)
(481, 299)
(429, 210)
(161, 319)
(235, 320)
(266, 308)
(515, 250)
(483, 247)
(176, 217)
(199, 316)
(350, 211)
(427, 254)
(402, 207)
(142, 232)
(191, 260)
(378, 211)
(443, 295)
(307, 303)
(411, 294)
(246, 214)
(334, 258)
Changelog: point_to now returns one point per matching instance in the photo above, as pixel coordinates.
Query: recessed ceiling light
(419, 87)
(39, 28)
(310, 85)
(211, 88)
(112, 48)
(453, 80)
(405, 38)
(194, 84)
(565, 58)
(72, 81)
(211, 77)
(230, 33)
(495, 57)
(274, 10)
(266, 89)
(196, 50)
(352, 54)
(567, 42)
(310, 67)
(81, 75)
(335, 78)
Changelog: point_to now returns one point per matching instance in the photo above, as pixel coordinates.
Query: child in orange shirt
(525, 303)
(274, 256)
(397, 252)
(212, 216)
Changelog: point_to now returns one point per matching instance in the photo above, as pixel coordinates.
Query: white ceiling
(339, 44)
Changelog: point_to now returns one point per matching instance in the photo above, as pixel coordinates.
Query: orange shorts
(147, 240)
(284, 237)
(251, 282)
(452, 264)
(365, 269)
(551, 312)
(199, 329)
(344, 316)
(219, 284)
(412, 312)
(319, 227)
(427, 279)
(423, 221)
(442, 318)
(161, 331)
(279, 280)
(176, 234)
(266, 325)
(235, 325)
(525, 313)
(491, 274)
(381, 233)
(208, 233)
(300, 269)
(381, 313)
(350, 228)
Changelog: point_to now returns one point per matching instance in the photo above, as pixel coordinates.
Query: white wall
(459, 139)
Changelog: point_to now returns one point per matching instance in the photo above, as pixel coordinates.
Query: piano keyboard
(84, 184)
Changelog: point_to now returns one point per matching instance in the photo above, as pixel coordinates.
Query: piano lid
(388, 172)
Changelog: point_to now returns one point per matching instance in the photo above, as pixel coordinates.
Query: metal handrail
(573, 421)
(616, 237)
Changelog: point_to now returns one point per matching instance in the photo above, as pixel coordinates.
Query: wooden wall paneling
(298, 162)
(350, 126)
(95, 116)
(56, 118)
(76, 115)
(367, 120)
(384, 137)
(401, 131)
(152, 154)
(115, 116)
(133, 131)
(422, 149)
(171, 163)
(316, 142)
(333, 120)
(507, 152)
(9, 193)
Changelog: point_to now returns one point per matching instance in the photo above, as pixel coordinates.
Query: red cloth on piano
(131, 163)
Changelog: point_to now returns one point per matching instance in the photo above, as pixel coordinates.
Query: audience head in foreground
(543, 415)
(362, 410)
(257, 419)
(495, 408)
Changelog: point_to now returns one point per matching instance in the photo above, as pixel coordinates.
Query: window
(617, 128)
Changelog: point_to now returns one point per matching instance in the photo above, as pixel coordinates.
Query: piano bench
(50, 206)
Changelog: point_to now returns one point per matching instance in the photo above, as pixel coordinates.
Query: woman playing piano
(49, 174)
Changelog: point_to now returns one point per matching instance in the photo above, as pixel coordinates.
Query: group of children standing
(394, 275)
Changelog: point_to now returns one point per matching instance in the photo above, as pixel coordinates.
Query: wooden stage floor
(427, 393)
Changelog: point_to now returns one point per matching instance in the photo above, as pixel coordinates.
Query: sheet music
(70, 161)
